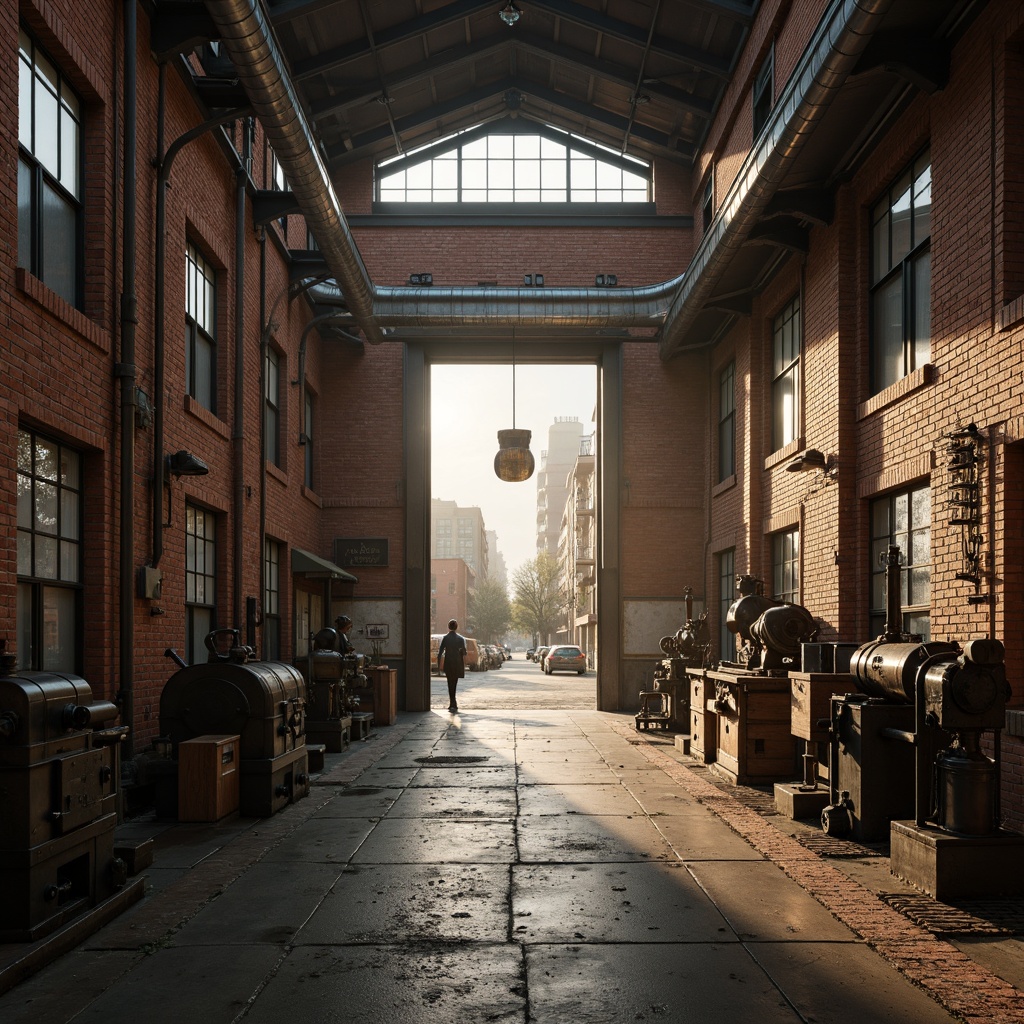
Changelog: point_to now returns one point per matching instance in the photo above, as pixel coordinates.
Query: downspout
(238, 435)
(839, 40)
(264, 338)
(126, 371)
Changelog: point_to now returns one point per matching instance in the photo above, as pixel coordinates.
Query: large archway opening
(513, 561)
(471, 383)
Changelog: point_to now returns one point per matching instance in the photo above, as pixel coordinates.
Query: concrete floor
(544, 866)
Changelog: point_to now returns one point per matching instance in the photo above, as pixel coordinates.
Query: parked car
(472, 655)
(530, 652)
(565, 658)
(508, 652)
(435, 643)
(538, 655)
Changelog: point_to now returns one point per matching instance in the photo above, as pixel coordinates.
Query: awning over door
(305, 563)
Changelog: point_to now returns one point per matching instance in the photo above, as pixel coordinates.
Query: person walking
(451, 659)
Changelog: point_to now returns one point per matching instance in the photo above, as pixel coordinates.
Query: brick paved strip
(948, 975)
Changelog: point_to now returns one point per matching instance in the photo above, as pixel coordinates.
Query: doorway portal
(457, 397)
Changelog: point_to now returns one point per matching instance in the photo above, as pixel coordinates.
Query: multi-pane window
(786, 375)
(49, 173)
(726, 596)
(786, 566)
(49, 554)
(271, 406)
(727, 423)
(901, 276)
(200, 580)
(764, 92)
(271, 600)
(481, 167)
(443, 529)
(200, 328)
(451, 586)
(307, 440)
(903, 519)
(707, 202)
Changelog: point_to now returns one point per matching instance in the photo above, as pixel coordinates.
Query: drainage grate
(830, 846)
(966, 917)
(449, 761)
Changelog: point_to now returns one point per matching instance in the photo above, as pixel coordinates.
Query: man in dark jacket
(451, 659)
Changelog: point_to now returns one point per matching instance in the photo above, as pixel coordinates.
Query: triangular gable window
(513, 162)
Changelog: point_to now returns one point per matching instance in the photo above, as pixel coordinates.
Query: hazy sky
(465, 440)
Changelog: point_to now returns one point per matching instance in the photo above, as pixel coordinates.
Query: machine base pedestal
(335, 734)
(952, 867)
(683, 744)
(800, 804)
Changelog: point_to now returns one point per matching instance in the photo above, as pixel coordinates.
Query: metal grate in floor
(449, 761)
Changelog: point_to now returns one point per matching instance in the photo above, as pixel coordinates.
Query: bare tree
(538, 601)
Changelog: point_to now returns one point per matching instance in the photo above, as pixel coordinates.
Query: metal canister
(966, 792)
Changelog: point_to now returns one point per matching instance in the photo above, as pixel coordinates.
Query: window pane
(528, 174)
(880, 262)
(45, 143)
(888, 333)
(59, 244)
(446, 174)
(45, 517)
(418, 176)
(25, 96)
(500, 147)
(923, 204)
(527, 147)
(46, 557)
(901, 226)
(584, 174)
(25, 216)
(69, 149)
(24, 501)
(70, 468)
(70, 514)
(24, 553)
(69, 562)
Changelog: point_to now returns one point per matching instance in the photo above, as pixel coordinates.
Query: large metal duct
(840, 39)
(248, 39)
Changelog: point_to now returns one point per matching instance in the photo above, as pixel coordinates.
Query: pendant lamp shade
(514, 461)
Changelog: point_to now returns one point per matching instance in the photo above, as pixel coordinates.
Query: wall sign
(360, 552)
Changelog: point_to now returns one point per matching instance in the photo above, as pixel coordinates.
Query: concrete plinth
(791, 801)
(683, 744)
(952, 867)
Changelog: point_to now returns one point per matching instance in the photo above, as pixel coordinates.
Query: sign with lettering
(376, 631)
(360, 552)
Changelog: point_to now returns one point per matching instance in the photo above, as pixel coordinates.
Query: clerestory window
(535, 164)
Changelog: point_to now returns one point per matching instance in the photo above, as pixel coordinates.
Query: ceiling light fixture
(510, 14)
(514, 461)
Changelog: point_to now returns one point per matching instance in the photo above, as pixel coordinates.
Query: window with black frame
(271, 600)
(707, 203)
(49, 173)
(786, 375)
(764, 92)
(903, 518)
(200, 581)
(786, 565)
(307, 441)
(200, 328)
(271, 406)
(901, 276)
(49, 559)
(726, 596)
(727, 423)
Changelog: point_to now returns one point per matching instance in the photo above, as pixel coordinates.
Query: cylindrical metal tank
(889, 670)
(966, 792)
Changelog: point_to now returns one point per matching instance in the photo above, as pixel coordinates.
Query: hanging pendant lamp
(514, 461)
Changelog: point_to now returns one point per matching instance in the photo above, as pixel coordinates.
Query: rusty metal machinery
(915, 729)
(263, 702)
(331, 679)
(59, 773)
(773, 632)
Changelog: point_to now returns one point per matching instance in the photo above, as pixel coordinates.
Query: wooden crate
(208, 777)
(702, 721)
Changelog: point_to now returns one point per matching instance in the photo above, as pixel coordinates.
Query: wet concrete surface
(578, 874)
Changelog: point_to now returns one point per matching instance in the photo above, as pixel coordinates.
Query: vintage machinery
(59, 773)
(743, 707)
(263, 702)
(668, 704)
(331, 678)
(941, 699)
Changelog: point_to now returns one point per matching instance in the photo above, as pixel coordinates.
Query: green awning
(305, 563)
